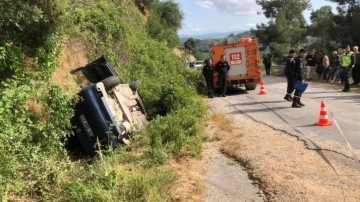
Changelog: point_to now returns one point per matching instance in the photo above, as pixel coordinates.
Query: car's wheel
(111, 82)
(135, 85)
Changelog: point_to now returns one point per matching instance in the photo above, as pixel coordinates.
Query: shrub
(32, 128)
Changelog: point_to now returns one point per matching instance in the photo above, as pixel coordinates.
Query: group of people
(341, 68)
(296, 69)
(222, 68)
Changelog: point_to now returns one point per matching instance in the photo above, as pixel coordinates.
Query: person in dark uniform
(297, 76)
(222, 67)
(356, 69)
(208, 73)
(267, 63)
(288, 71)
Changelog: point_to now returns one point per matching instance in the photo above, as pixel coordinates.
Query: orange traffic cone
(262, 89)
(323, 120)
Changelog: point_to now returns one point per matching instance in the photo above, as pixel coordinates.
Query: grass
(223, 122)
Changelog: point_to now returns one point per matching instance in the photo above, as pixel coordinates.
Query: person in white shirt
(325, 64)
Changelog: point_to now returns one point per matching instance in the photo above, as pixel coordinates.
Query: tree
(349, 15)
(26, 28)
(190, 44)
(347, 6)
(325, 29)
(164, 21)
(170, 14)
(286, 28)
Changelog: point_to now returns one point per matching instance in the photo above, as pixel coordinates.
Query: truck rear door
(236, 56)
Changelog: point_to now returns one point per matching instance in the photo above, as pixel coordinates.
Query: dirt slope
(72, 55)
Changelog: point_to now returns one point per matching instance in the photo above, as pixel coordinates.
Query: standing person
(297, 76)
(208, 73)
(338, 71)
(319, 69)
(284, 58)
(311, 61)
(356, 70)
(325, 64)
(289, 71)
(334, 67)
(267, 63)
(346, 66)
(222, 67)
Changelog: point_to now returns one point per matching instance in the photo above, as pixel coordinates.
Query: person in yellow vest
(346, 66)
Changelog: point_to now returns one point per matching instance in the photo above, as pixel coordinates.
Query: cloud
(236, 7)
(193, 29)
(251, 25)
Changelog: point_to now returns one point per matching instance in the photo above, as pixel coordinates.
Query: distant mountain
(219, 35)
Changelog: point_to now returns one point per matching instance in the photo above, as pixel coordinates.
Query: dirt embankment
(72, 55)
(278, 163)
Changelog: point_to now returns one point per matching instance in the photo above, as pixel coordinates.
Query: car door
(97, 70)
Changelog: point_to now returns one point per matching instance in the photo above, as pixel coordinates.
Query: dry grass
(222, 122)
(36, 109)
(72, 55)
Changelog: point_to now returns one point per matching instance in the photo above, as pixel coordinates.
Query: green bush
(33, 126)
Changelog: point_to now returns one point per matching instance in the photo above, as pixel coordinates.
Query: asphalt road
(271, 109)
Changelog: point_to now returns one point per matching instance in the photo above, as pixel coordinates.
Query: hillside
(38, 95)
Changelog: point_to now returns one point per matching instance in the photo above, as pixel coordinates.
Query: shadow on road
(256, 103)
(272, 109)
(235, 91)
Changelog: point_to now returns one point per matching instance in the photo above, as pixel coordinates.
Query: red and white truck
(244, 60)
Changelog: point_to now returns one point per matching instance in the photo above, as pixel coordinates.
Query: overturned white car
(108, 110)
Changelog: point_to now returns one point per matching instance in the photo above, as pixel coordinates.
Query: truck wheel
(111, 82)
(135, 85)
(250, 87)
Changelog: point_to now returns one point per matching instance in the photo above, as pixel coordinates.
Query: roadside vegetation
(35, 113)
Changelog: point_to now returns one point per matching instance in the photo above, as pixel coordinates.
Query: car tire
(135, 85)
(111, 82)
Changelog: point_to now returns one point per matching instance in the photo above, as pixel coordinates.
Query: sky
(216, 16)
